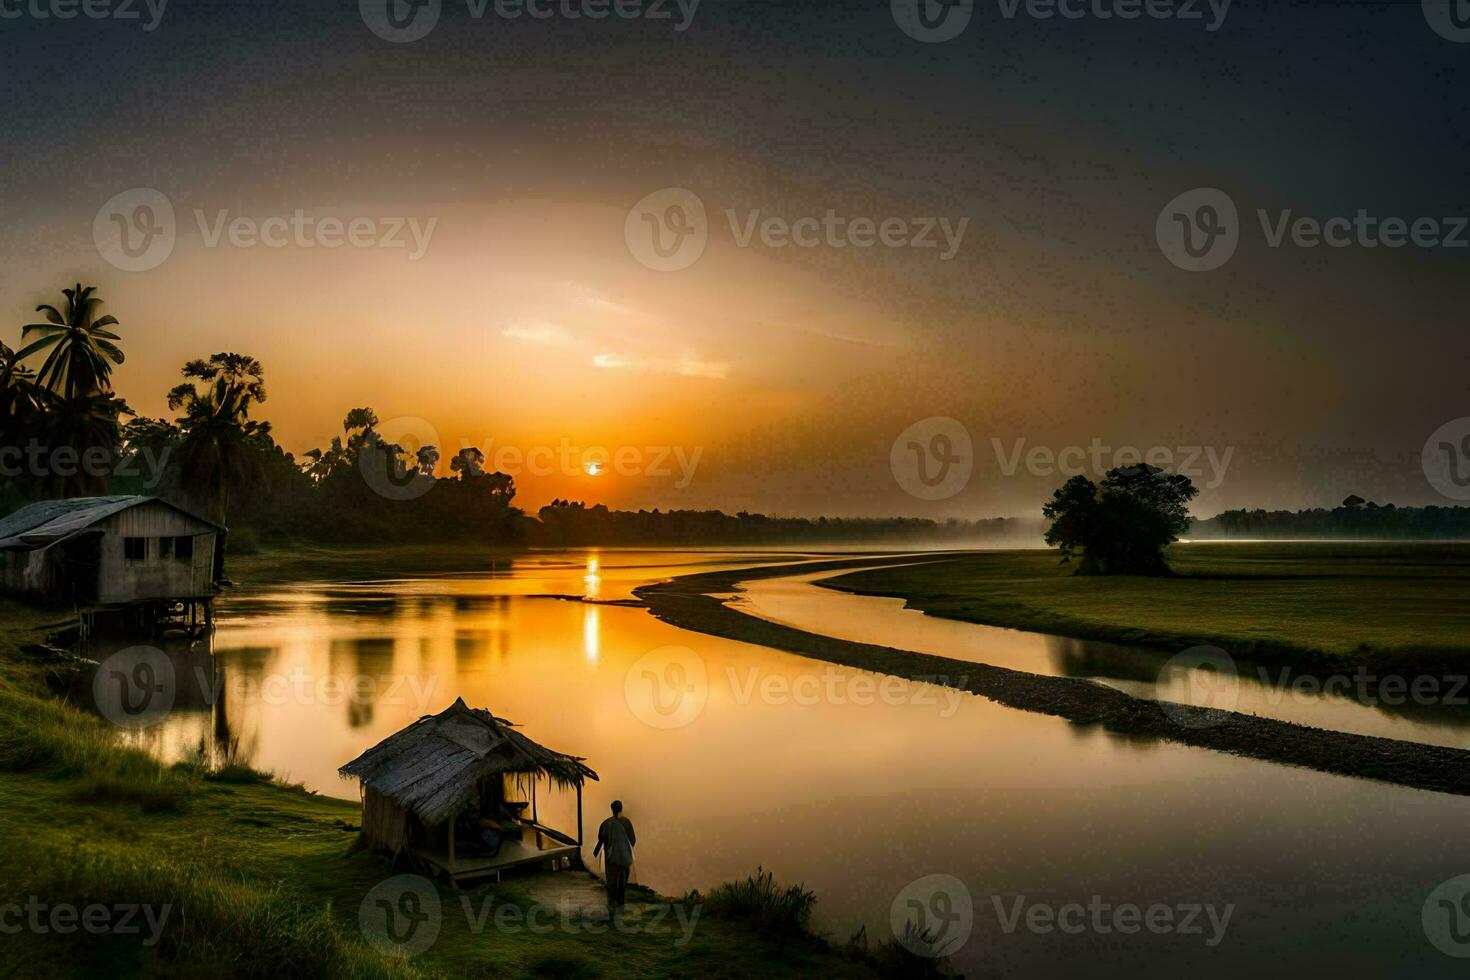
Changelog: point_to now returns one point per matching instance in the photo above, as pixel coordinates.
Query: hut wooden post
(533, 800)
(579, 814)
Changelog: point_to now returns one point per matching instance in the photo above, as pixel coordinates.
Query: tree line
(570, 523)
(1355, 517)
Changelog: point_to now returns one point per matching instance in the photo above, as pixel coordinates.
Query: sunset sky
(528, 321)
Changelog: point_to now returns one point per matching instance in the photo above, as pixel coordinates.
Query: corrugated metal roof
(47, 522)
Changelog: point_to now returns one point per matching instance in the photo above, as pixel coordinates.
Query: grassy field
(264, 879)
(1318, 604)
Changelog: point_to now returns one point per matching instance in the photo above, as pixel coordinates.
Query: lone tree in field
(1123, 525)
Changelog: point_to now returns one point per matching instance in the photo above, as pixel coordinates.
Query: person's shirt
(628, 826)
(615, 836)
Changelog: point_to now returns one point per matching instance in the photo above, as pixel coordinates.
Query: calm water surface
(822, 775)
(800, 601)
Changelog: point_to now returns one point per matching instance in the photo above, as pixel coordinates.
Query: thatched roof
(49, 522)
(433, 767)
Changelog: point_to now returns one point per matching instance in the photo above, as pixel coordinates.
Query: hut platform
(549, 855)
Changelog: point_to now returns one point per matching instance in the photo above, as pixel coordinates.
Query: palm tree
(86, 423)
(324, 463)
(20, 418)
(82, 349)
(361, 427)
(217, 451)
(19, 399)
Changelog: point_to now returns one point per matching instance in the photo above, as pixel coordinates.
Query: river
(855, 785)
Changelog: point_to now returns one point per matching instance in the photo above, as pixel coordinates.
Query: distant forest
(1354, 518)
(572, 523)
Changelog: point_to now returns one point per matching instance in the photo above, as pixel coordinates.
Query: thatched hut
(430, 790)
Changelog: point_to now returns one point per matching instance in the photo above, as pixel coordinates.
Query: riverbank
(264, 879)
(1316, 606)
(691, 602)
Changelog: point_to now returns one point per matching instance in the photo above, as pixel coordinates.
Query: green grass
(1313, 604)
(264, 879)
(760, 900)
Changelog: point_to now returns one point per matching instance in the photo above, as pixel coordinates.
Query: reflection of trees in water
(247, 662)
(364, 666)
(1092, 658)
(199, 725)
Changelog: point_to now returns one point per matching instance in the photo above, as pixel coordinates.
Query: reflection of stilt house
(112, 553)
(428, 790)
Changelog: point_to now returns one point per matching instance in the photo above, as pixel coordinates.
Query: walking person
(616, 837)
